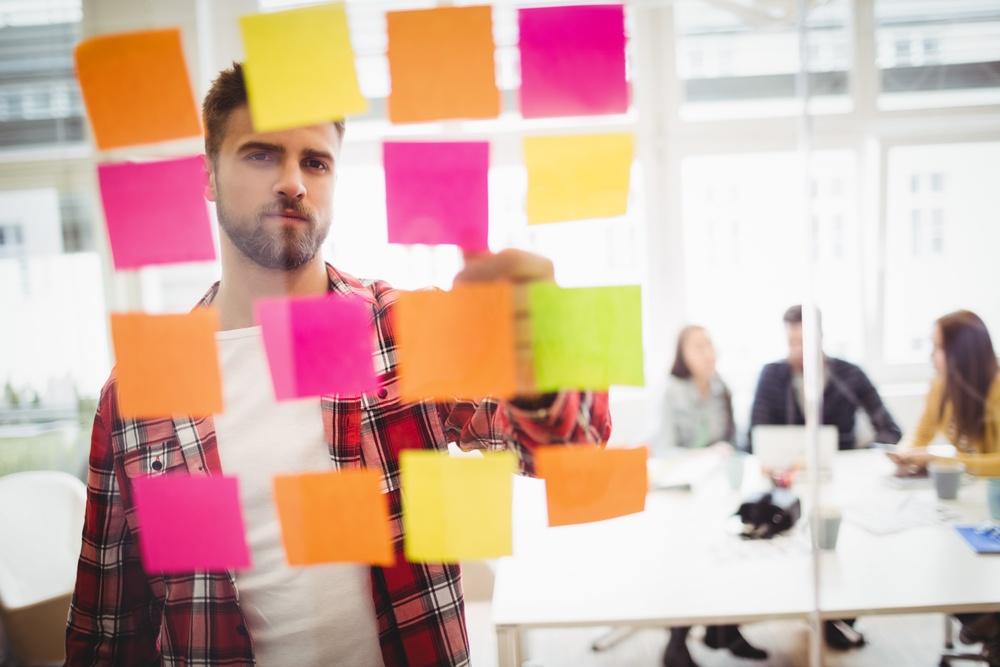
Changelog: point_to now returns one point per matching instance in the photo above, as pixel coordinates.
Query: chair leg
(948, 632)
(612, 637)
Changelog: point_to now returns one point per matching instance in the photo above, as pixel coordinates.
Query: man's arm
(768, 401)
(109, 618)
(886, 429)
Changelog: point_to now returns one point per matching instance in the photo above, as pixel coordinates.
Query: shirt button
(241, 630)
(382, 392)
(157, 465)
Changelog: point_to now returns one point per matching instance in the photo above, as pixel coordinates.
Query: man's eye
(315, 164)
(260, 157)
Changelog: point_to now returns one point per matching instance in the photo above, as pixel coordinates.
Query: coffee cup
(947, 476)
(826, 527)
(993, 496)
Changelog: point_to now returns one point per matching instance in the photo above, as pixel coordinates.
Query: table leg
(509, 646)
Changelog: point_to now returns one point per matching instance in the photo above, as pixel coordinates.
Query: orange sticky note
(590, 483)
(334, 517)
(167, 365)
(441, 64)
(457, 343)
(136, 88)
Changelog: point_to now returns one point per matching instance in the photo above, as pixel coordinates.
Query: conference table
(683, 562)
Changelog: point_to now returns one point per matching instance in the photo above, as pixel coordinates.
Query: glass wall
(869, 170)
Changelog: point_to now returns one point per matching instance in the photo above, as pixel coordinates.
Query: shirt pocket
(153, 459)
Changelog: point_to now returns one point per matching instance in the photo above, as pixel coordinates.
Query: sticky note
(456, 508)
(299, 67)
(457, 343)
(586, 338)
(136, 88)
(436, 192)
(167, 365)
(577, 177)
(441, 64)
(572, 61)
(590, 483)
(334, 517)
(190, 523)
(318, 345)
(156, 212)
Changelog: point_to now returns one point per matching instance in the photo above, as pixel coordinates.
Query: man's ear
(210, 191)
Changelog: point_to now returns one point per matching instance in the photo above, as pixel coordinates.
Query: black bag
(767, 513)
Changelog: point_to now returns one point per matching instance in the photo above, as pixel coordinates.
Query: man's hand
(519, 268)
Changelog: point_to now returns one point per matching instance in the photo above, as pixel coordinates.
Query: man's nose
(290, 184)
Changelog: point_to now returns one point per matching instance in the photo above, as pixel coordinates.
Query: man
(846, 388)
(274, 193)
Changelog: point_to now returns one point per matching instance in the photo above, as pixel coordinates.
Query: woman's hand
(910, 461)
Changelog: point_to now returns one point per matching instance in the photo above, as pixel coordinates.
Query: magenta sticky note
(318, 346)
(436, 192)
(156, 212)
(572, 61)
(190, 523)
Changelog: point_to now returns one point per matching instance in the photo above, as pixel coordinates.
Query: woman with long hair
(964, 400)
(697, 412)
(964, 405)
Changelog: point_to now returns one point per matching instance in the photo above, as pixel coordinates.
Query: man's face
(274, 190)
(794, 332)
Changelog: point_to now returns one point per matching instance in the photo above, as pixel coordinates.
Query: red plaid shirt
(123, 615)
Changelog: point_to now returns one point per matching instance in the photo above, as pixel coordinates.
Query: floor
(904, 641)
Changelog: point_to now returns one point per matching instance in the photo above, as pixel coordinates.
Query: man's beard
(287, 248)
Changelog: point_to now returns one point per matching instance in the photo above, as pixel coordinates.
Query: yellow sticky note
(299, 67)
(456, 508)
(577, 177)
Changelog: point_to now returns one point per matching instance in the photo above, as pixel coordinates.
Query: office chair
(41, 522)
(949, 652)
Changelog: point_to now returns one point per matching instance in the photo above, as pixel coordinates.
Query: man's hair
(228, 91)
(794, 316)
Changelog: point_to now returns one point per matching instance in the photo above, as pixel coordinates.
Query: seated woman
(964, 405)
(697, 412)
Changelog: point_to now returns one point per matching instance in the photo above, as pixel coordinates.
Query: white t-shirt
(315, 615)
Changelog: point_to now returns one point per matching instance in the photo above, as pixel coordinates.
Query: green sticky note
(456, 508)
(299, 67)
(586, 338)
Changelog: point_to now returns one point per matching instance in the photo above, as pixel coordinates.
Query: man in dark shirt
(846, 389)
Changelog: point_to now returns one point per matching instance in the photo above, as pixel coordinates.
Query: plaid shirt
(123, 615)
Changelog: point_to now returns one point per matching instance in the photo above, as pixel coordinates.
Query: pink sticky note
(156, 212)
(318, 346)
(190, 523)
(436, 192)
(572, 61)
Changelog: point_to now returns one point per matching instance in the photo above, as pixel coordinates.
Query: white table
(680, 563)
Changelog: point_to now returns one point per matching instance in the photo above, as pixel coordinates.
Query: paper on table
(136, 88)
(156, 212)
(190, 523)
(334, 517)
(167, 365)
(282, 91)
(572, 61)
(586, 338)
(441, 64)
(456, 508)
(436, 192)
(318, 345)
(457, 343)
(577, 177)
(591, 483)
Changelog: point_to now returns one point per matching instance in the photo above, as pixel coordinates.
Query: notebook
(981, 543)
(784, 447)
